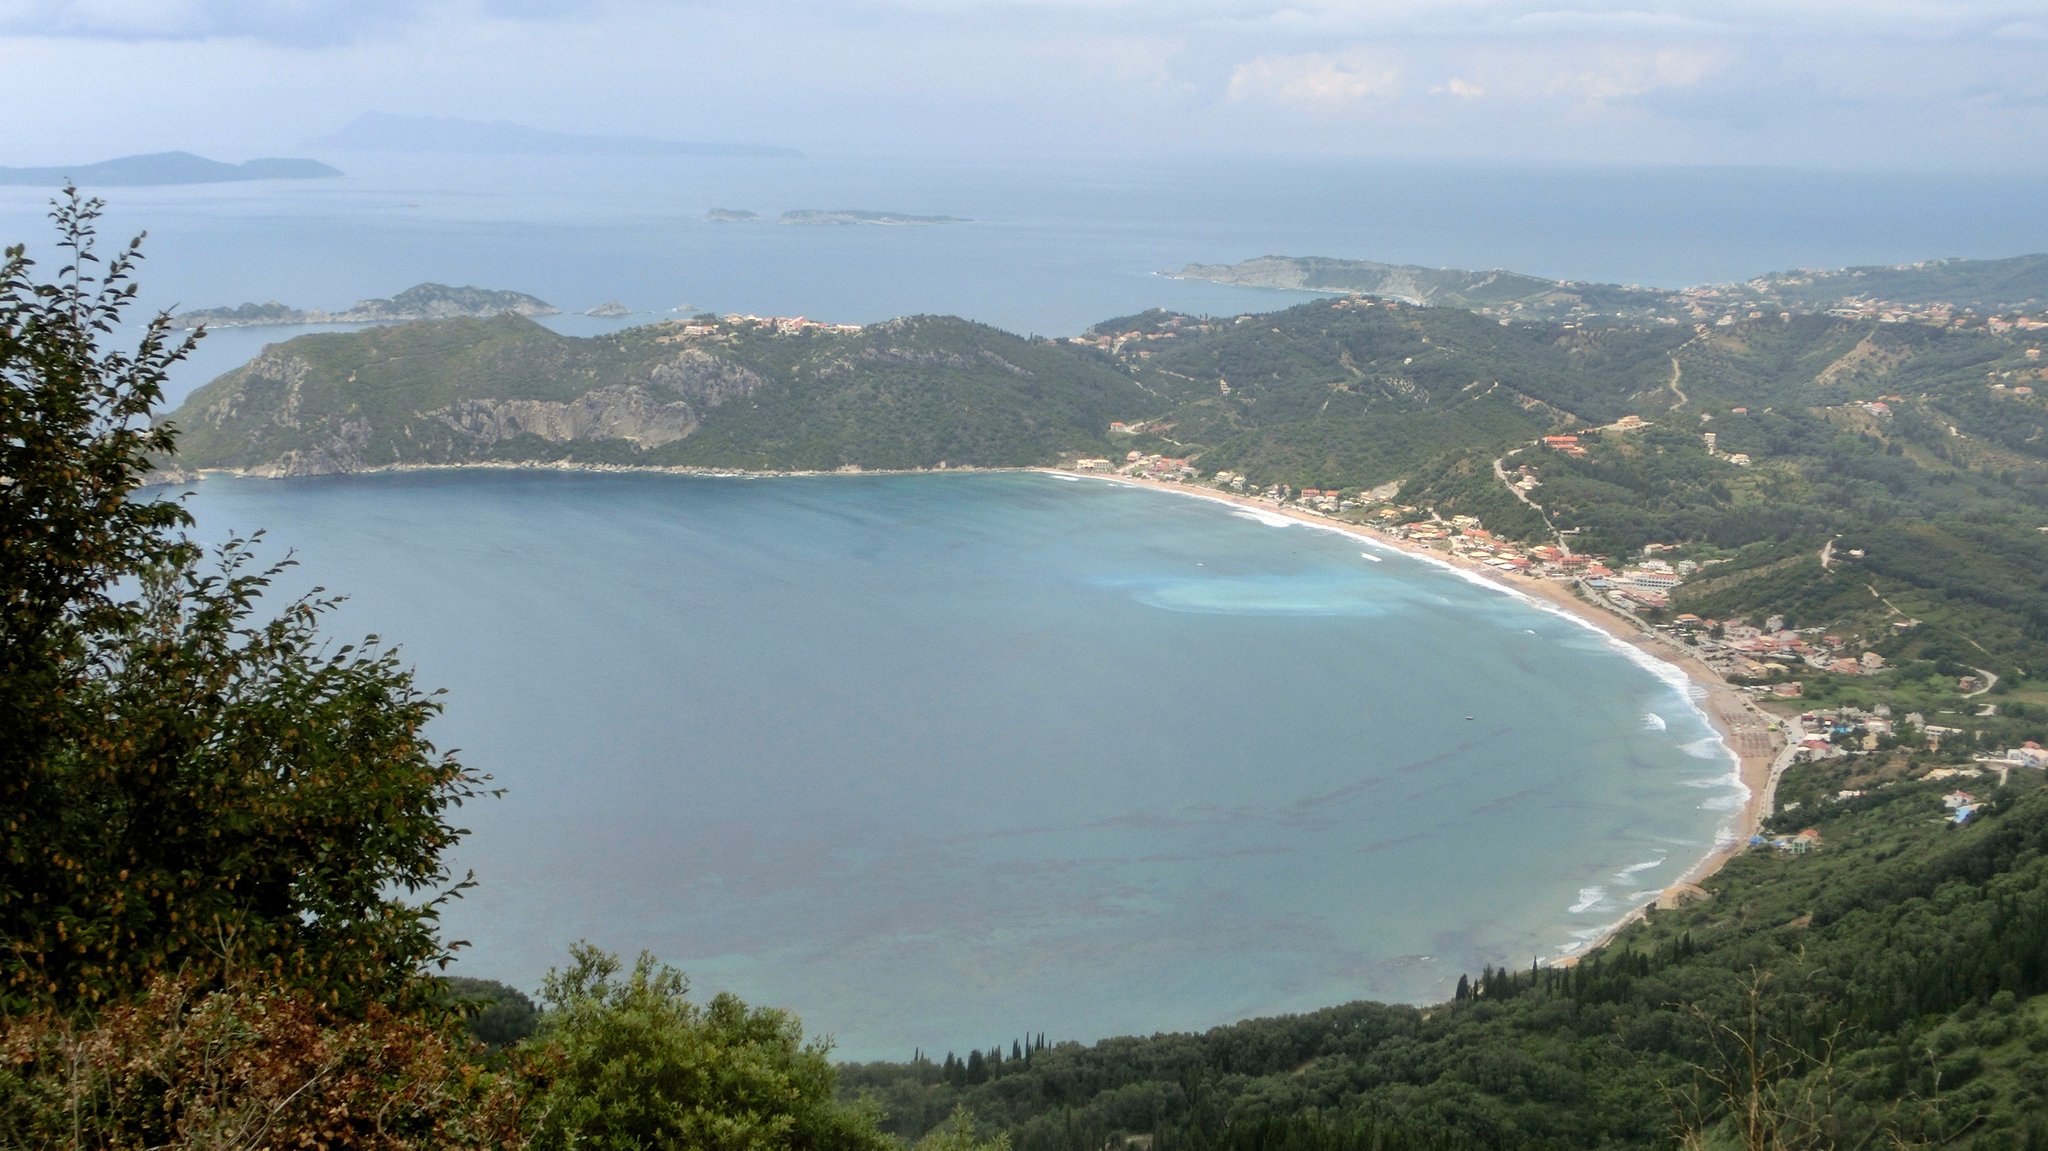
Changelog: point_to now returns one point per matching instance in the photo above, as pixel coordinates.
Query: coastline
(1760, 754)
(178, 474)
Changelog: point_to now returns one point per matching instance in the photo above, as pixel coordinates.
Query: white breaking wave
(1590, 899)
(1622, 875)
(1369, 556)
(1653, 722)
(1270, 519)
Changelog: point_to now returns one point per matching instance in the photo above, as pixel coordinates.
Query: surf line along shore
(1755, 737)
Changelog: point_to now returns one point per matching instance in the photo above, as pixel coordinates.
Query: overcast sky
(1859, 83)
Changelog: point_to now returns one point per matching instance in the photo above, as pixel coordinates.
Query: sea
(944, 760)
(939, 761)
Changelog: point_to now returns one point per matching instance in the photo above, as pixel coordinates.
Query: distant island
(863, 216)
(421, 302)
(168, 168)
(833, 216)
(382, 132)
(610, 309)
(1894, 293)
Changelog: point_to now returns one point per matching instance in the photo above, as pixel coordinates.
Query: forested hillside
(911, 393)
(1919, 451)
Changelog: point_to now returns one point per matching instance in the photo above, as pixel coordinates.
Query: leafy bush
(631, 1063)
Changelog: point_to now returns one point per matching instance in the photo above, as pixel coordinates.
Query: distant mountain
(1921, 290)
(1493, 292)
(420, 302)
(168, 168)
(2019, 281)
(382, 132)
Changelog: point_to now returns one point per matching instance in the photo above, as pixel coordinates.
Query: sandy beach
(1745, 727)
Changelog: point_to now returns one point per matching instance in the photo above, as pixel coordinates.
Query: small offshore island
(419, 302)
(839, 216)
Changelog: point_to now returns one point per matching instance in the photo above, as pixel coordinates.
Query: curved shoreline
(1740, 724)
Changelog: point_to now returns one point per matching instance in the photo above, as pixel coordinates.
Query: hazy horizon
(1889, 86)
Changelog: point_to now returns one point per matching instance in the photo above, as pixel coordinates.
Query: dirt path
(1500, 472)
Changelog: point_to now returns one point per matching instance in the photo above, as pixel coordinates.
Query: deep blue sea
(942, 760)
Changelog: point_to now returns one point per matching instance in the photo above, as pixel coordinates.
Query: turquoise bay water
(940, 760)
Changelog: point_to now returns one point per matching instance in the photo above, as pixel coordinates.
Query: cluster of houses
(1800, 844)
(680, 332)
(1939, 314)
(1843, 731)
(790, 325)
(1151, 466)
(2028, 754)
(1726, 304)
(1167, 328)
(1735, 647)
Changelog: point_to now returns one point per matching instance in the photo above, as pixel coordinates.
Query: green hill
(1921, 448)
(912, 393)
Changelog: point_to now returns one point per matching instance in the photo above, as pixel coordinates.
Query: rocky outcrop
(703, 378)
(274, 383)
(339, 453)
(632, 414)
(668, 407)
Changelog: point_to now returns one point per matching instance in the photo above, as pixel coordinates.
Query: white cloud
(1760, 81)
(1315, 79)
(1617, 75)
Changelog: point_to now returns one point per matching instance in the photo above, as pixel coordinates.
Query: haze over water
(939, 760)
(1052, 246)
